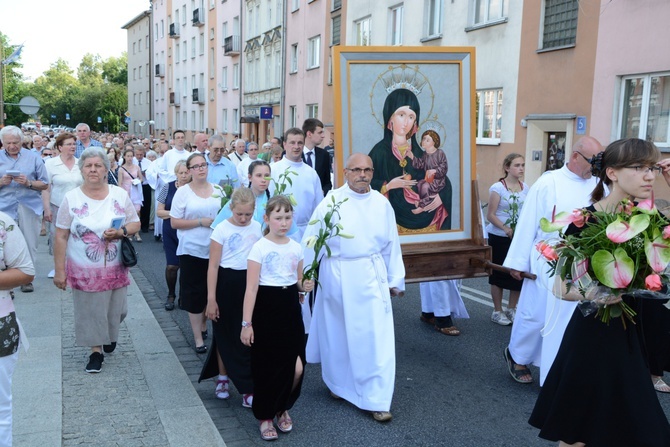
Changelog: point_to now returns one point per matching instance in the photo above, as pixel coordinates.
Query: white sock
(224, 377)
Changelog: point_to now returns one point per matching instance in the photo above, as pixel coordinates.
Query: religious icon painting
(411, 110)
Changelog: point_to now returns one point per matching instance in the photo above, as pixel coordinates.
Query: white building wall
(228, 97)
(139, 74)
(161, 52)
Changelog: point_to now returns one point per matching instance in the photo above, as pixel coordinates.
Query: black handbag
(128, 253)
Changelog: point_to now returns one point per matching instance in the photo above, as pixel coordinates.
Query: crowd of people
(238, 261)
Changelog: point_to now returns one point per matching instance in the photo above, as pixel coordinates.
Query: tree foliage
(12, 82)
(98, 88)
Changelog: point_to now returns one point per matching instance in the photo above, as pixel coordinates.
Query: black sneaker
(95, 362)
(109, 348)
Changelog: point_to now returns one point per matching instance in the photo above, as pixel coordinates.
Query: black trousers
(145, 211)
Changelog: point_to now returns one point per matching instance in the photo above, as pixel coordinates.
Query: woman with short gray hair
(98, 215)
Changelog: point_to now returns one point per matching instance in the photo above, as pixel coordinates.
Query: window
(236, 120)
(212, 65)
(489, 116)
(560, 23)
(139, 46)
(395, 25)
(141, 95)
(193, 47)
(645, 108)
(434, 19)
(335, 29)
(295, 5)
(140, 73)
(337, 4)
(225, 120)
(146, 70)
(183, 14)
(184, 88)
(362, 28)
(202, 121)
(176, 51)
(224, 79)
(278, 73)
(176, 16)
(311, 111)
(184, 118)
(314, 52)
(292, 116)
(194, 125)
(178, 120)
(134, 74)
(146, 42)
(294, 58)
(184, 50)
(236, 76)
(156, 31)
(486, 11)
(224, 32)
(212, 34)
(202, 44)
(134, 47)
(134, 99)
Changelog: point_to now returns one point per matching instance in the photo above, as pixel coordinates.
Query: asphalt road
(450, 391)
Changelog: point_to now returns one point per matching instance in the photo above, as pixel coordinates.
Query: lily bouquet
(330, 228)
(625, 252)
(282, 182)
(224, 193)
(513, 219)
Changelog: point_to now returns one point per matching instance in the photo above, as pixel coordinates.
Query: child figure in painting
(434, 162)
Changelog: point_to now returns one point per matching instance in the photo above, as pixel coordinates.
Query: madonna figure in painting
(394, 175)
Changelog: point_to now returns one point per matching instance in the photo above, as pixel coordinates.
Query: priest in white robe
(351, 333)
(305, 186)
(541, 318)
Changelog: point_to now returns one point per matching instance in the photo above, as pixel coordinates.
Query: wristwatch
(125, 231)
(246, 324)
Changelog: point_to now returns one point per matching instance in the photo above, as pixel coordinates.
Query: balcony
(175, 98)
(198, 96)
(197, 19)
(232, 46)
(160, 70)
(174, 31)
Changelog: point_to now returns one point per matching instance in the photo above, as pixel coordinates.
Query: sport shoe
(511, 314)
(500, 318)
(51, 274)
(27, 288)
(221, 390)
(247, 400)
(95, 362)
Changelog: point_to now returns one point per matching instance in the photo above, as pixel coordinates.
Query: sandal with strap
(451, 330)
(660, 385)
(269, 434)
(516, 374)
(222, 391)
(284, 422)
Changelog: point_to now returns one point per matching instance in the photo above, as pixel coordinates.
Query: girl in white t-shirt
(229, 248)
(271, 301)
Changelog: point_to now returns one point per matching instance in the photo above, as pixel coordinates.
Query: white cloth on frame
(541, 318)
(443, 298)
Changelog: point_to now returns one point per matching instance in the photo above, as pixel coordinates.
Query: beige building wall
(555, 86)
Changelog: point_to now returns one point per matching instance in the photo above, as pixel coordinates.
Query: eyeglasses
(359, 171)
(647, 169)
(589, 160)
(200, 167)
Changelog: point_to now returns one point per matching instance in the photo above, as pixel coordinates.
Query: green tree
(90, 70)
(115, 69)
(12, 84)
(54, 90)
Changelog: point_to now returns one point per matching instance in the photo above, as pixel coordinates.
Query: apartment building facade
(139, 74)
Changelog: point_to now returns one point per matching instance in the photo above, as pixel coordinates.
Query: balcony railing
(174, 30)
(198, 96)
(197, 20)
(175, 98)
(232, 46)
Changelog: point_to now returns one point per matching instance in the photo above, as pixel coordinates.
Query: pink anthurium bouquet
(625, 252)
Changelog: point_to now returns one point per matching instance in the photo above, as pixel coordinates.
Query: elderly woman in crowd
(193, 210)
(64, 176)
(88, 255)
(170, 240)
(16, 269)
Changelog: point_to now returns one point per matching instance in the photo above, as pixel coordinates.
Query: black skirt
(193, 284)
(499, 248)
(599, 390)
(236, 357)
(279, 340)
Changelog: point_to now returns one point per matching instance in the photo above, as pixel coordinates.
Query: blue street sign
(127, 120)
(99, 120)
(53, 117)
(266, 113)
(581, 125)
(67, 116)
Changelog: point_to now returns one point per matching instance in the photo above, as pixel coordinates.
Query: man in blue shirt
(84, 140)
(22, 178)
(221, 169)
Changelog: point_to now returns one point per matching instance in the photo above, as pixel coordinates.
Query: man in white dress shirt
(238, 153)
(243, 167)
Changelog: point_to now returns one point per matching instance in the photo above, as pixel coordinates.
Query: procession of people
(239, 260)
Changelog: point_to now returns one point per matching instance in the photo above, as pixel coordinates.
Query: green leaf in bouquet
(657, 251)
(621, 231)
(615, 270)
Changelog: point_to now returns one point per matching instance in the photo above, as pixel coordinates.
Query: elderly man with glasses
(351, 331)
(221, 170)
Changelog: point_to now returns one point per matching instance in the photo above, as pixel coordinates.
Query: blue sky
(68, 28)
